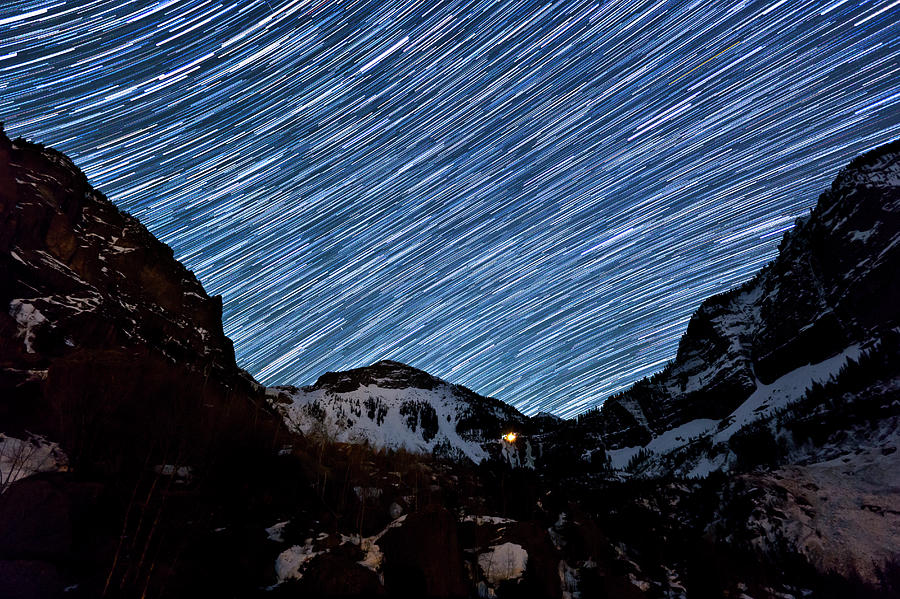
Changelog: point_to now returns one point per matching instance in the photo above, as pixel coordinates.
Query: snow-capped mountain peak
(395, 406)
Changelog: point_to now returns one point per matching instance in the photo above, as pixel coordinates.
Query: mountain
(138, 460)
(395, 406)
(121, 404)
(99, 318)
(771, 438)
(830, 297)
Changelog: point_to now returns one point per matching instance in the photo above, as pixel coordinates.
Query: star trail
(527, 198)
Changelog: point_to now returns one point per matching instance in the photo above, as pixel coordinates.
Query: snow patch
(512, 455)
(20, 458)
(764, 402)
(862, 236)
(372, 414)
(783, 391)
(290, 562)
(482, 520)
(181, 473)
(28, 317)
(369, 545)
(275, 531)
(706, 465)
(363, 493)
(666, 442)
(503, 562)
(374, 557)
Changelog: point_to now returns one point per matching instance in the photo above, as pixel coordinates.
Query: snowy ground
(783, 391)
(506, 561)
(292, 562)
(666, 442)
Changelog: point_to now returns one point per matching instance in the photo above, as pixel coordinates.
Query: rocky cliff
(833, 288)
(100, 319)
(116, 383)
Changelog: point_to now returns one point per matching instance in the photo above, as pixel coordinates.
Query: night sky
(527, 198)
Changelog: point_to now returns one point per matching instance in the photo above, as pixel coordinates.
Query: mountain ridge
(798, 309)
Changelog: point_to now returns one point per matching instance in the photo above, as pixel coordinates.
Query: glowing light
(510, 437)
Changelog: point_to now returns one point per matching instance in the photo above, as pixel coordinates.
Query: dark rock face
(50, 527)
(112, 349)
(833, 284)
(27, 579)
(100, 319)
(386, 373)
(423, 557)
(96, 275)
(39, 517)
(334, 576)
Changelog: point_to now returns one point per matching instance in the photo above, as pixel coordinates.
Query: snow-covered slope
(671, 451)
(842, 514)
(392, 405)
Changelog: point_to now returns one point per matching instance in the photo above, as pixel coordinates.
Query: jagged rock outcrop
(833, 285)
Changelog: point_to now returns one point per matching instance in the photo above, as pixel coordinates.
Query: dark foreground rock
(110, 350)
